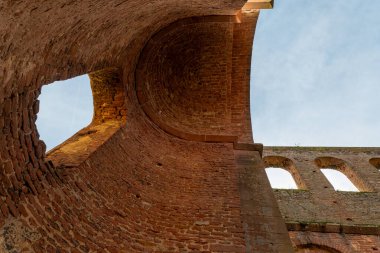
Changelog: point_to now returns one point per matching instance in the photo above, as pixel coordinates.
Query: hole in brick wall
(336, 164)
(288, 165)
(280, 178)
(65, 108)
(375, 162)
(338, 180)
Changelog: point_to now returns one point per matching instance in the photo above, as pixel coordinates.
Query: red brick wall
(108, 95)
(183, 74)
(193, 76)
(123, 184)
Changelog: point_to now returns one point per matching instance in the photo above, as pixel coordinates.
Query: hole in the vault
(65, 108)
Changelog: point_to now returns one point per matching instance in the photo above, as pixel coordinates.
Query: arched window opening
(288, 165)
(280, 178)
(375, 162)
(338, 180)
(65, 108)
(341, 175)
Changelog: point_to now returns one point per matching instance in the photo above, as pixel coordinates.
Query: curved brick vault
(168, 163)
(157, 169)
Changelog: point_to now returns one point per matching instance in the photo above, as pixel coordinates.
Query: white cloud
(315, 74)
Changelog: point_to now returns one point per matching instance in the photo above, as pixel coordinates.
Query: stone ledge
(323, 149)
(363, 229)
(249, 147)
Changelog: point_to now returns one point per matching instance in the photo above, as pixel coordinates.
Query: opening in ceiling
(65, 108)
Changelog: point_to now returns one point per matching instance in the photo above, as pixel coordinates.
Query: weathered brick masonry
(168, 163)
(319, 217)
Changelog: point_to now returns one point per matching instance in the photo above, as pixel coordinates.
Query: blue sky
(65, 108)
(315, 79)
(316, 76)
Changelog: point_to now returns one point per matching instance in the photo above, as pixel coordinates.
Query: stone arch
(342, 166)
(280, 178)
(288, 165)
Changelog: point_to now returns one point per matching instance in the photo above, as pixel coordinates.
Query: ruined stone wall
(317, 214)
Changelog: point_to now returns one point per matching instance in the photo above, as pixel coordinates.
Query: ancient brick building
(169, 163)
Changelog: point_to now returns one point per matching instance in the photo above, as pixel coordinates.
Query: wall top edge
(320, 148)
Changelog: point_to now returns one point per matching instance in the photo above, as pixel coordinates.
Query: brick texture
(168, 163)
(159, 169)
